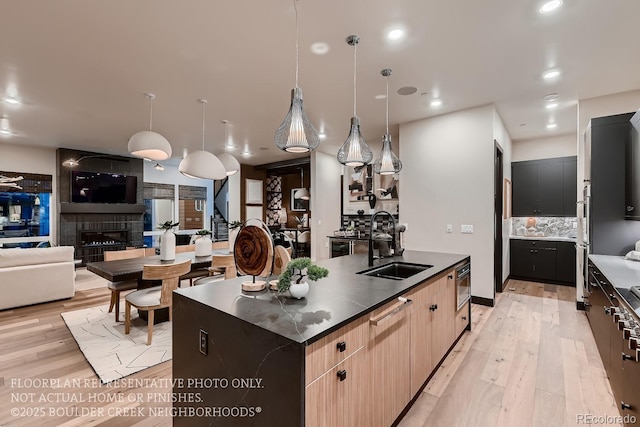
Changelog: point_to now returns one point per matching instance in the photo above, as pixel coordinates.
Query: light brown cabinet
(337, 378)
(388, 349)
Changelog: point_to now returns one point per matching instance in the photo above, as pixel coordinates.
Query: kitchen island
(350, 353)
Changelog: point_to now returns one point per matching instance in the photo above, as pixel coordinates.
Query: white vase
(298, 290)
(203, 246)
(232, 238)
(168, 246)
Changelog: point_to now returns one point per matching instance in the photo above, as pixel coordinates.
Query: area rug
(110, 352)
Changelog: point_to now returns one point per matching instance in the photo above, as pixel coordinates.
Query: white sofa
(34, 275)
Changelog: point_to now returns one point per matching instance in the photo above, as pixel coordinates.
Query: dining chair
(156, 297)
(304, 240)
(127, 285)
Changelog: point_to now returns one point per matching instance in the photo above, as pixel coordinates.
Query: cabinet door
(550, 188)
(442, 321)
(599, 320)
(570, 186)
(421, 361)
(630, 395)
(521, 260)
(524, 177)
(544, 263)
(389, 353)
(340, 397)
(566, 262)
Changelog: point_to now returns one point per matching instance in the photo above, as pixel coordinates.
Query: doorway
(497, 217)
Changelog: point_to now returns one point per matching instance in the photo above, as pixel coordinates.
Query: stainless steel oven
(463, 283)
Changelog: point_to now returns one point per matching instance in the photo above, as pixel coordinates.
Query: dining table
(131, 269)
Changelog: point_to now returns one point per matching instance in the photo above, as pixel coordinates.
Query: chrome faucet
(393, 235)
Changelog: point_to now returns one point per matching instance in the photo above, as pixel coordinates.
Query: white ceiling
(81, 67)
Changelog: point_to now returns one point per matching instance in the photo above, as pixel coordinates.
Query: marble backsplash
(544, 226)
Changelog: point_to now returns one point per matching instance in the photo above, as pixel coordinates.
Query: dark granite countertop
(622, 273)
(331, 302)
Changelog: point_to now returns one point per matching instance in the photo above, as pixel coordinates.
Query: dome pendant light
(201, 163)
(354, 151)
(387, 162)
(230, 163)
(148, 144)
(302, 193)
(296, 134)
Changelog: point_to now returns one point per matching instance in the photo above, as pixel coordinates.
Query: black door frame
(497, 216)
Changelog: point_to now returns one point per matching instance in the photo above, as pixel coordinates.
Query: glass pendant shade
(355, 151)
(230, 163)
(296, 134)
(202, 164)
(150, 145)
(387, 162)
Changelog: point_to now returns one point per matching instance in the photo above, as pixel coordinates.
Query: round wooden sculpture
(253, 252)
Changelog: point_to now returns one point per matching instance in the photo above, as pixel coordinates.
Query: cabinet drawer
(462, 319)
(533, 244)
(327, 352)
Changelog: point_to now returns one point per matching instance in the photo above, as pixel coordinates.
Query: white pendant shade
(150, 145)
(202, 164)
(303, 194)
(230, 163)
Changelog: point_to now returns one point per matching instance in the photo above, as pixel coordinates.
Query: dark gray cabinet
(544, 261)
(632, 170)
(544, 187)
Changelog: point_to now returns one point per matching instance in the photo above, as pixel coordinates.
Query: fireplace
(105, 239)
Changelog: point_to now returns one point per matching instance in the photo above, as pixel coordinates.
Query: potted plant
(203, 243)
(299, 220)
(234, 228)
(292, 278)
(168, 241)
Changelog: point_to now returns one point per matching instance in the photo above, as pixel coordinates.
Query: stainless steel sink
(395, 270)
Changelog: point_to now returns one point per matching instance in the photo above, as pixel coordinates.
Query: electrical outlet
(449, 228)
(204, 342)
(466, 229)
(326, 244)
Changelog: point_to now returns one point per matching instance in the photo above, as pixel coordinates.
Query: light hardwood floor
(529, 361)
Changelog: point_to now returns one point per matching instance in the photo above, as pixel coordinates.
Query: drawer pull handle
(626, 357)
(342, 346)
(624, 405)
(342, 374)
(433, 307)
(612, 296)
(399, 306)
(607, 310)
(464, 317)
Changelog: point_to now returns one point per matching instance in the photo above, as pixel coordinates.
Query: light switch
(466, 229)
(449, 228)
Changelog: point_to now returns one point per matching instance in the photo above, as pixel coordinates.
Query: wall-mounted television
(100, 187)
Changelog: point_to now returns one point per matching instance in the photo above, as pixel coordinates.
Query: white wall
(325, 202)
(602, 106)
(447, 178)
(19, 158)
(501, 136)
(544, 148)
(234, 197)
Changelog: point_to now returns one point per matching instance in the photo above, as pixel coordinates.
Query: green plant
(235, 224)
(168, 225)
(203, 232)
(297, 269)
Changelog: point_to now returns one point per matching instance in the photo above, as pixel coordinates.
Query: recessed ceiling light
(551, 74)
(551, 105)
(320, 48)
(407, 90)
(322, 135)
(552, 125)
(396, 34)
(550, 6)
(11, 100)
(551, 97)
(263, 148)
(523, 124)
(381, 96)
(435, 102)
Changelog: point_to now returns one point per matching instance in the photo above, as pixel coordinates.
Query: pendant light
(302, 193)
(148, 144)
(230, 163)
(387, 162)
(354, 151)
(201, 163)
(296, 134)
